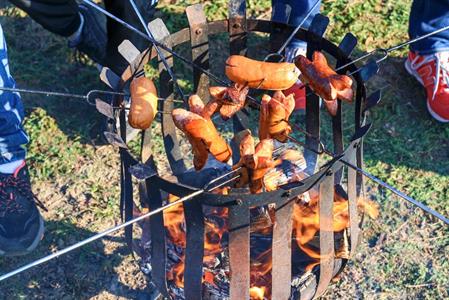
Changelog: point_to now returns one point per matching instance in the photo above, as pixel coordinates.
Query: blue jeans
(299, 9)
(12, 136)
(425, 17)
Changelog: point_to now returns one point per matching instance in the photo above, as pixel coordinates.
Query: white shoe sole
(33, 245)
(409, 69)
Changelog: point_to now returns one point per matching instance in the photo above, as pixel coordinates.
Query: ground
(403, 254)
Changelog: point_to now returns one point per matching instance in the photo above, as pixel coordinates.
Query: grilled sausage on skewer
(144, 100)
(255, 162)
(274, 115)
(201, 133)
(227, 100)
(261, 75)
(324, 81)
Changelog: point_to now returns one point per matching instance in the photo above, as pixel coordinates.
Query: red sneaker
(298, 89)
(432, 71)
(299, 92)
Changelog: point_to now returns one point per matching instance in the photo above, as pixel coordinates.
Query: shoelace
(8, 201)
(441, 68)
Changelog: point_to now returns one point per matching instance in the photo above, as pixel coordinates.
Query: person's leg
(117, 33)
(280, 12)
(21, 226)
(427, 16)
(428, 59)
(58, 16)
(79, 23)
(298, 10)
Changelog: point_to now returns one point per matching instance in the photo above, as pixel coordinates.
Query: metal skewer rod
(387, 51)
(397, 192)
(394, 190)
(98, 236)
(152, 40)
(112, 230)
(159, 52)
(70, 95)
(207, 188)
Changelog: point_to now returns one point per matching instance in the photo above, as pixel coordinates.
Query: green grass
(404, 253)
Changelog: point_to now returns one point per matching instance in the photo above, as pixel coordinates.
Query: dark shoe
(93, 39)
(21, 225)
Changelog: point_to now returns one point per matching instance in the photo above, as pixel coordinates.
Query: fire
(305, 227)
(174, 223)
(306, 221)
(214, 234)
(257, 293)
(261, 276)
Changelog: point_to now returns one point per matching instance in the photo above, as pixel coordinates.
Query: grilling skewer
(378, 181)
(86, 97)
(205, 189)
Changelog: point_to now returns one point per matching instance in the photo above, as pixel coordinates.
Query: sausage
(227, 100)
(201, 133)
(264, 163)
(144, 100)
(255, 162)
(262, 75)
(274, 115)
(323, 80)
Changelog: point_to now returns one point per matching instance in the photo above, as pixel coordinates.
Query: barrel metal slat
(174, 154)
(347, 45)
(282, 252)
(193, 273)
(318, 27)
(327, 246)
(200, 49)
(279, 33)
(354, 228)
(238, 46)
(158, 239)
(239, 252)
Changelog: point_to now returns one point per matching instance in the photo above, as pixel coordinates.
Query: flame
(306, 221)
(261, 276)
(174, 223)
(257, 293)
(214, 234)
(305, 227)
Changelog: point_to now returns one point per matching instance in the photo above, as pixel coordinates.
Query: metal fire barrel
(347, 145)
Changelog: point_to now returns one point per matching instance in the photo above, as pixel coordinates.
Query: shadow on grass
(81, 274)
